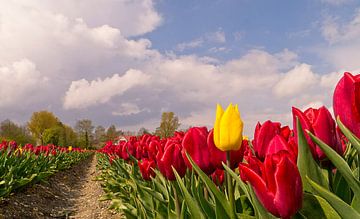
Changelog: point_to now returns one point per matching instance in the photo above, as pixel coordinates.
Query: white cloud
(128, 109)
(343, 37)
(336, 2)
(296, 80)
(19, 80)
(82, 93)
(217, 37)
(190, 45)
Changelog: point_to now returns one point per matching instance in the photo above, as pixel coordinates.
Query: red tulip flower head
(171, 157)
(277, 183)
(147, 167)
(346, 102)
(321, 124)
(195, 144)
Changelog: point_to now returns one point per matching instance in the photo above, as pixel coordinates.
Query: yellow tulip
(70, 148)
(228, 128)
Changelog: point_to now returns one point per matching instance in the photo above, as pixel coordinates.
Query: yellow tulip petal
(219, 113)
(231, 128)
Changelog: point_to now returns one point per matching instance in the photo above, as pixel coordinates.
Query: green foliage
(168, 125)
(112, 133)
(11, 131)
(84, 130)
(39, 122)
(306, 164)
(20, 169)
(331, 193)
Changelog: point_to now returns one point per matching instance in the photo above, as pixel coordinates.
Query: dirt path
(68, 194)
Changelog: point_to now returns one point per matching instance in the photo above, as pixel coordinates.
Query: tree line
(45, 128)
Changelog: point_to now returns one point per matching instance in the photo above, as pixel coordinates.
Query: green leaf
(205, 205)
(344, 210)
(306, 163)
(193, 207)
(259, 209)
(349, 135)
(219, 196)
(340, 164)
(316, 207)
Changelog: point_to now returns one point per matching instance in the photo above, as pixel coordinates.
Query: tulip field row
(21, 166)
(309, 170)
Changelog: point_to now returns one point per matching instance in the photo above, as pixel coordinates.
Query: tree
(143, 131)
(112, 133)
(71, 137)
(39, 122)
(84, 129)
(100, 135)
(54, 135)
(11, 131)
(168, 125)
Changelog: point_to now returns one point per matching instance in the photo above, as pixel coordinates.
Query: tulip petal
(305, 124)
(288, 197)
(219, 114)
(231, 128)
(265, 196)
(346, 102)
(324, 129)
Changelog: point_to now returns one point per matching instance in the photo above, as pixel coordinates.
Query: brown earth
(72, 193)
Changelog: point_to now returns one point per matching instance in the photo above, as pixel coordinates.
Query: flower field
(309, 171)
(21, 166)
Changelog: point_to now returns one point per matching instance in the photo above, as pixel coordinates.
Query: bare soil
(72, 193)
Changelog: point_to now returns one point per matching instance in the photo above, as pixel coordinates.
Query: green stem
(206, 193)
(230, 187)
(330, 178)
(177, 204)
(358, 165)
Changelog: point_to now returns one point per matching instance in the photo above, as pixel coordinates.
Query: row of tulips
(310, 171)
(21, 166)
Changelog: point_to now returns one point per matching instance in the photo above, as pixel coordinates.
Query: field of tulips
(309, 171)
(20, 166)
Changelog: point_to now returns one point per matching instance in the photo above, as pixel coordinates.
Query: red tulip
(265, 133)
(171, 157)
(346, 102)
(195, 144)
(218, 176)
(277, 183)
(146, 167)
(218, 157)
(321, 124)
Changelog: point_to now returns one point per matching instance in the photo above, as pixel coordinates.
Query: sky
(124, 62)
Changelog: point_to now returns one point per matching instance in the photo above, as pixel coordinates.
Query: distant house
(121, 138)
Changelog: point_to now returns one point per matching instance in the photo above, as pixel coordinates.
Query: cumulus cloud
(19, 80)
(343, 37)
(296, 80)
(83, 93)
(76, 46)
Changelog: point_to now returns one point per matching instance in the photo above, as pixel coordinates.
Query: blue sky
(272, 25)
(125, 62)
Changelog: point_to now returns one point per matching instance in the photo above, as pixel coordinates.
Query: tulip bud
(228, 128)
(147, 167)
(195, 144)
(346, 102)
(321, 124)
(171, 157)
(277, 183)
